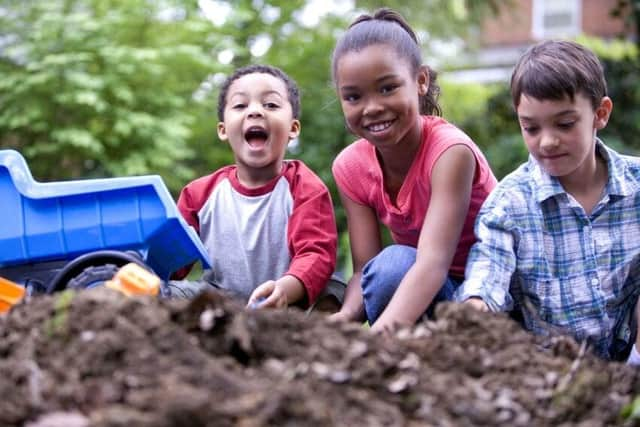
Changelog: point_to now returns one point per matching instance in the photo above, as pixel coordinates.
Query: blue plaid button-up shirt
(539, 252)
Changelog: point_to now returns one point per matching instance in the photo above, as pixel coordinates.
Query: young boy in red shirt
(267, 223)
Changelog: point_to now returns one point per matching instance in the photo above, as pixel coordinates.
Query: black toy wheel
(93, 276)
(92, 269)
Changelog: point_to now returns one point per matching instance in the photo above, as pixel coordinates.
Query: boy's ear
(423, 80)
(222, 131)
(603, 112)
(295, 129)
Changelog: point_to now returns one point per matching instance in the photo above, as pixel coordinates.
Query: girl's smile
(379, 127)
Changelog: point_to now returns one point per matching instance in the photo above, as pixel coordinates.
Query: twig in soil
(35, 375)
(564, 381)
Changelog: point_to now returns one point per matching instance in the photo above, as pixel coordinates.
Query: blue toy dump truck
(77, 234)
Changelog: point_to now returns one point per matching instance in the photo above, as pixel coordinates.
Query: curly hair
(292, 88)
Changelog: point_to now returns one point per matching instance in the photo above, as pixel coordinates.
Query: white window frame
(540, 8)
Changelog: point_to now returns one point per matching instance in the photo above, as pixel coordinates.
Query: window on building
(556, 18)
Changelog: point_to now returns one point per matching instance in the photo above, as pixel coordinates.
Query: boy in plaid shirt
(557, 238)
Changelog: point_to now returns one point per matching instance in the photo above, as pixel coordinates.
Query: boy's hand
(268, 295)
(477, 303)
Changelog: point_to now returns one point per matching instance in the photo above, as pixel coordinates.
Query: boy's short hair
(292, 88)
(556, 69)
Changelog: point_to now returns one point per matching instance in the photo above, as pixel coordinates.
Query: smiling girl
(413, 172)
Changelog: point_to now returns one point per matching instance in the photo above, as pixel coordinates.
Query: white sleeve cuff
(634, 357)
(488, 296)
(467, 290)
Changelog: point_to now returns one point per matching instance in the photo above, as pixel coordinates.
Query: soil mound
(97, 358)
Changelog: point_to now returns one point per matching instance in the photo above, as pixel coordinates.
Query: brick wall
(596, 20)
(511, 26)
(514, 25)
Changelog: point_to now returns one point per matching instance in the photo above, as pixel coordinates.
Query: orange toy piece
(10, 294)
(133, 279)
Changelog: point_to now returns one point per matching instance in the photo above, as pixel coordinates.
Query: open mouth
(256, 136)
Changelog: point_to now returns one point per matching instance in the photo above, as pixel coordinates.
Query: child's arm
(365, 241)
(312, 236)
(492, 259)
(189, 212)
(451, 184)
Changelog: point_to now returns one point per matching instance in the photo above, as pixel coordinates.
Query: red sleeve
(195, 194)
(191, 200)
(187, 208)
(312, 234)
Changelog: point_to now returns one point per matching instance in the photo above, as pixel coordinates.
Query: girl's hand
(385, 329)
(477, 303)
(340, 316)
(268, 295)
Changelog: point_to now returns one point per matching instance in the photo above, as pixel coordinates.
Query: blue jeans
(382, 275)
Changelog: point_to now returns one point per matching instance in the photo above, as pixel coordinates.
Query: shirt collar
(618, 183)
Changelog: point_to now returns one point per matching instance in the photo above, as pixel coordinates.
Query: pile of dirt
(97, 358)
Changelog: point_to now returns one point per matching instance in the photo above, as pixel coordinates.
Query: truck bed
(43, 222)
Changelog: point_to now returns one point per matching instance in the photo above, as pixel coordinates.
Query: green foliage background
(101, 88)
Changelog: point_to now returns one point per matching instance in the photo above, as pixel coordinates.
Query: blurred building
(503, 38)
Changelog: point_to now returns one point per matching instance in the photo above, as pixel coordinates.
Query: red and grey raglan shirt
(254, 235)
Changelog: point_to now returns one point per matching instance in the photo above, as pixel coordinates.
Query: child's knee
(187, 288)
(391, 263)
(331, 298)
